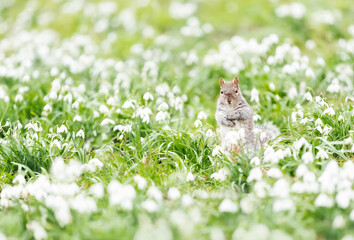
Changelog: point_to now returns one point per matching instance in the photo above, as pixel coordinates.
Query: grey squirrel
(235, 118)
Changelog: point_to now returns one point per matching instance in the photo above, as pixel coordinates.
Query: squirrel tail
(268, 131)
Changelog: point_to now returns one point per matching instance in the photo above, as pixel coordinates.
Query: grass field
(107, 127)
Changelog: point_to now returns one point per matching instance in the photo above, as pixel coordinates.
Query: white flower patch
(228, 206)
(220, 175)
(140, 181)
(92, 165)
(180, 10)
(295, 10)
(121, 194)
(173, 193)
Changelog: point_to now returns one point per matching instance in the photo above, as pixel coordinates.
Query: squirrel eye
(222, 92)
(236, 91)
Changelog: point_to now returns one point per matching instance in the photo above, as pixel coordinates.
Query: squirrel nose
(229, 101)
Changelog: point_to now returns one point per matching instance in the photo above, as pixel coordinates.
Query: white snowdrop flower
(308, 96)
(190, 177)
(323, 16)
(19, 179)
(209, 133)
(293, 116)
(62, 129)
(246, 205)
(180, 10)
(339, 222)
(128, 104)
(301, 142)
(318, 122)
(307, 157)
(61, 209)
(202, 115)
(77, 118)
(220, 175)
(274, 172)
(143, 113)
(47, 108)
(140, 181)
(310, 44)
(283, 205)
(255, 95)
(187, 200)
(155, 193)
(323, 200)
(122, 128)
(295, 10)
(301, 170)
(163, 107)
(162, 115)
(150, 205)
(228, 206)
(80, 133)
(256, 117)
(271, 86)
(351, 215)
(255, 174)
(92, 165)
(260, 188)
(162, 89)
(198, 123)
(96, 114)
(255, 161)
(65, 172)
(322, 154)
(173, 193)
(103, 108)
(280, 188)
(341, 118)
(97, 190)
(148, 96)
(107, 121)
(121, 194)
(217, 151)
(334, 86)
(292, 93)
(330, 111)
(343, 198)
(83, 204)
(38, 231)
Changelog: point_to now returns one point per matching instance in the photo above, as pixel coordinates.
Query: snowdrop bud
(271, 86)
(190, 177)
(148, 96)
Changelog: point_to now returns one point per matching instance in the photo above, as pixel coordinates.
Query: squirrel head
(230, 93)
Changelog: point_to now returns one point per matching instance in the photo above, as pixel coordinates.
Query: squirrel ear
(236, 80)
(222, 81)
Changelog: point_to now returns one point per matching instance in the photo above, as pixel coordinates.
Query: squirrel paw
(228, 123)
(233, 116)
